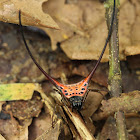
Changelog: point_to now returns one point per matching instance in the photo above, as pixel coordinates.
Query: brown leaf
(136, 27)
(132, 50)
(32, 13)
(83, 29)
(40, 125)
(133, 124)
(52, 133)
(91, 104)
(25, 109)
(87, 48)
(109, 130)
(68, 17)
(11, 130)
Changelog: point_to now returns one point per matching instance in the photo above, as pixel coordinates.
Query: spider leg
(86, 94)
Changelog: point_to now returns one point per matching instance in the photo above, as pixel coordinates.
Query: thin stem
(115, 81)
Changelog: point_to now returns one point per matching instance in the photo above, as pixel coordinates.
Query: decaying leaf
(52, 133)
(109, 130)
(39, 125)
(82, 35)
(23, 110)
(133, 125)
(18, 91)
(32, 13)
(11, 130)
(91, 104)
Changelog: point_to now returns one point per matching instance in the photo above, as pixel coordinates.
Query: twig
(115, 82)
(127, 102)
(79, 124)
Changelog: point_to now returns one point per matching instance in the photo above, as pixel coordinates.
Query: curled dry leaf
(32, 13)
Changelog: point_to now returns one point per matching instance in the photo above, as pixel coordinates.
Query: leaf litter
(75, 39)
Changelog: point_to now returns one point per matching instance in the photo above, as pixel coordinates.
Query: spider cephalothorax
(75, 94)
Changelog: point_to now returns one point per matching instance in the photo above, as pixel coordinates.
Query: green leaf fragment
(18, 91)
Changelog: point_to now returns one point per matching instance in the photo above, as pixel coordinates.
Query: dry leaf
(109, 130)
(132, 50)
(83, 39)
(23, 110)
(40, 125)
(133, 124)
(32, 13)
(11, 130)
(2, 138)
(91, 104)
(52, 133)
(68, 17)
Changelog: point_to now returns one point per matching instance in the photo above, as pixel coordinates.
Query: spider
(73, 94)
